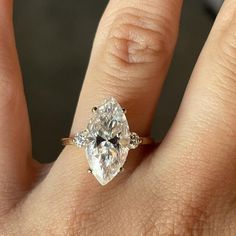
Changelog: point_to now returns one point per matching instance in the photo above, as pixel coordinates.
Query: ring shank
(144, 141)
(147, 141)
(67, 141)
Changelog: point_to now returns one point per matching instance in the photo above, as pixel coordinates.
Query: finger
(15, 147)
(200, 146)
(130, 57)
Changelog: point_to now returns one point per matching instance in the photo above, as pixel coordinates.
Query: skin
(186, 186)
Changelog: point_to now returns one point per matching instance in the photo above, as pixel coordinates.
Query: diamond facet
(109, 140)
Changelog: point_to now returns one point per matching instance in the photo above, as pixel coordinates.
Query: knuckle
(137, 40)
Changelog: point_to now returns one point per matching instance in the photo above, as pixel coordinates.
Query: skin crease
(186, 186)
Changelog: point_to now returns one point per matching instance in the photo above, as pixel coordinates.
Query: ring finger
(130, 58)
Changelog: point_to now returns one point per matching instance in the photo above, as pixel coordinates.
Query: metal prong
(122, 169)
(124, 110)
(94, 109)
(90, 171)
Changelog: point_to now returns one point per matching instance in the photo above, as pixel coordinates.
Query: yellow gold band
(144, 141)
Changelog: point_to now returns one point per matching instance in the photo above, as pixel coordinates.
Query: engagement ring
(107, 140)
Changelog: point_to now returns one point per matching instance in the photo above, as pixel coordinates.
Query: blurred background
(54, 39)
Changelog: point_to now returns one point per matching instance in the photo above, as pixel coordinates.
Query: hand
(186, 186)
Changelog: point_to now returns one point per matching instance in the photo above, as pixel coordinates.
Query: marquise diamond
(107, 141)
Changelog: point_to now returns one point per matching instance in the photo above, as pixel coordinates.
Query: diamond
(81, 139)
(134, 141)
(109, 140)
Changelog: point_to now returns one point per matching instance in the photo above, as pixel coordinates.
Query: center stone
(109, 137)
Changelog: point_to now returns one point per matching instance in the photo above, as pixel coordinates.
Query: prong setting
(94, 109)
(124, 110)
(90, 171)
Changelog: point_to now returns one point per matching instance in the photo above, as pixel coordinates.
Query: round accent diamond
(135, 140)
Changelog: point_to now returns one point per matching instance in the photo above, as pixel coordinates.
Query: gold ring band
(143, 141)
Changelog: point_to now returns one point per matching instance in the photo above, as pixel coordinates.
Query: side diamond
(81, 139)
(135, 140)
